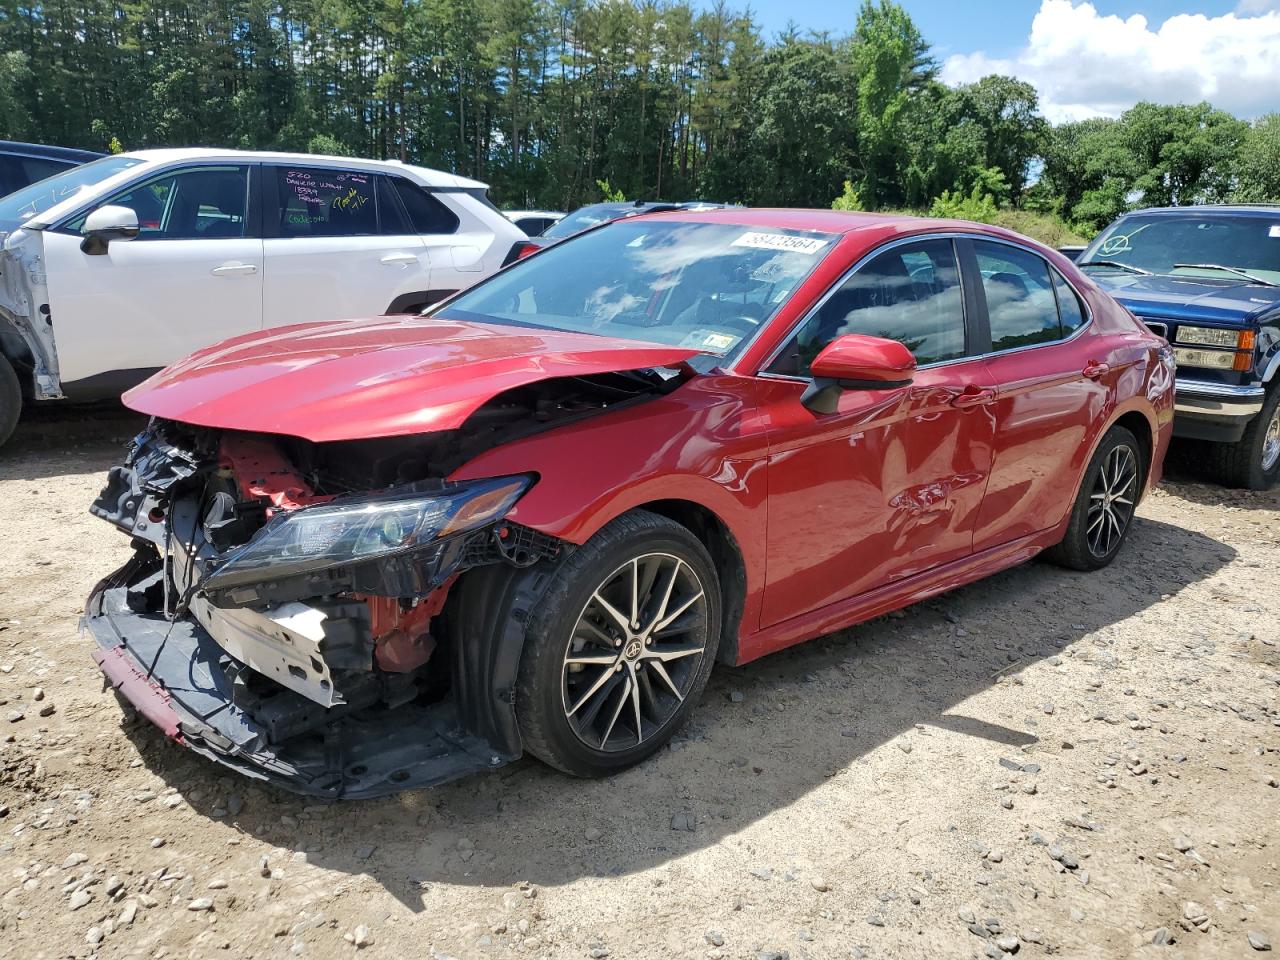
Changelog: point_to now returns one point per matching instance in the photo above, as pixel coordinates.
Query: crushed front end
(286, 609)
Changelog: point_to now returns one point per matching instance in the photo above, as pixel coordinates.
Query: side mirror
(855, 362)
(106, 224)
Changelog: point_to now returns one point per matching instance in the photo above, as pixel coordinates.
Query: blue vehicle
(25, 163)
(1208, 279)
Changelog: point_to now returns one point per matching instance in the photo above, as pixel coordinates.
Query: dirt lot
(1049, 762)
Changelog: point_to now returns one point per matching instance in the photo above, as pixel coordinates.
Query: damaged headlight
(359, 529)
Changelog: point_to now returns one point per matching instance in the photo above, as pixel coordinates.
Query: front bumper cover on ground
(177, 676)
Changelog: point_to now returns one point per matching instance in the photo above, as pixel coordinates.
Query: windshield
(706, 286)
(21, 205)
(585, 217)
(1159, 243)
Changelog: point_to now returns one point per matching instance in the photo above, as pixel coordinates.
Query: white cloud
(1087, 65)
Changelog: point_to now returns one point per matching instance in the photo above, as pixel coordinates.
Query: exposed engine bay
(292, 608)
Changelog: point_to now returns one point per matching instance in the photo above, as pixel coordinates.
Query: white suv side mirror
(106, 224)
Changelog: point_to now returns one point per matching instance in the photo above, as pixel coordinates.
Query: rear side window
(427, 214)
(37, 168)
(909, 293)
(11, 175)
(533, 226)
(1021, 304)
(1070, 309)
(391, 217)
(317, 202)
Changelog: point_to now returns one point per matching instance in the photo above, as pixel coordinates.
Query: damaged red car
(380, 554)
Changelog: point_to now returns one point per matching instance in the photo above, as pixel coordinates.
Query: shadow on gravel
(735, 762)
(1188, 476)
(56, 439)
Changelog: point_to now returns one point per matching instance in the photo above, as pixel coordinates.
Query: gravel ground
(1042, 763)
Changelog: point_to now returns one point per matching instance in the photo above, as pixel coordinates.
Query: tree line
(553, 101)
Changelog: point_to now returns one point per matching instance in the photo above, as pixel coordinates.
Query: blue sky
(999, 27)
(1087, 57)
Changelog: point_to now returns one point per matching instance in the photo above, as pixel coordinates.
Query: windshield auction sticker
(780, 241)
(1275, 231)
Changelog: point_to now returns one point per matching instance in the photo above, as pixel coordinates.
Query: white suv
(115, 269)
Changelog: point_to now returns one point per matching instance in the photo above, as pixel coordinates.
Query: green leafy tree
(1258, 162)
(891, 65)
(1090, 167)
(610, 194)
(1184, 153)
(976, 206)
(1011, 130)
(848, 200)
(15, 81)
(663, 99)
(803, 131)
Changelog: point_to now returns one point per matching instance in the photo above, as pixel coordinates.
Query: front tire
(620, 647)
(10, 399)
(1102, 514)
(1252, 462)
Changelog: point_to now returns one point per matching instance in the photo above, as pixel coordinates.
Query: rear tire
(1102, 514)
(596, 694)
(1252, 462)
(10, 399)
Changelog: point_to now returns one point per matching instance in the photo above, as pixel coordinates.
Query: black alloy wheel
(634, 652)
(1103, 510)
(1113, 500)
(620, 646)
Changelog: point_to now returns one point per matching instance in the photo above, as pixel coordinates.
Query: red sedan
(384, 553)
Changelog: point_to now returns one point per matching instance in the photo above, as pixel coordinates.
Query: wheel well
(726, 555)
(1137, 424)
(14, 349)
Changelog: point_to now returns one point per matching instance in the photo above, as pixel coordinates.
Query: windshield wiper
(1118, 265)
(1217, 266)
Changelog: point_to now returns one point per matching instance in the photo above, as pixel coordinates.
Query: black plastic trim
(418, 298)
(108, 385)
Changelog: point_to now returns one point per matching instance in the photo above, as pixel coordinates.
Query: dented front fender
(24, 309)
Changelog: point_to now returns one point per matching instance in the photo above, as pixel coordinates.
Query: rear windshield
(1199, 245)
(21, 205)
(706, 286)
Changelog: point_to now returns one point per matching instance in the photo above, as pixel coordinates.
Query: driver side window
(910, 293)
(208, 203)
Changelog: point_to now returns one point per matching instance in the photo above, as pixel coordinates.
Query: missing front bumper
(177, 676)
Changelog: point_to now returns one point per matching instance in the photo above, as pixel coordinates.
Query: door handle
(1096, 369)
(399, 259)
(973, 397)
(234, 270)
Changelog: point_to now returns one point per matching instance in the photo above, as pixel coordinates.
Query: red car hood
(352, 379)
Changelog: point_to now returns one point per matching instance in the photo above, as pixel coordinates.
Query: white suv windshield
(21, 205)
(706, 286)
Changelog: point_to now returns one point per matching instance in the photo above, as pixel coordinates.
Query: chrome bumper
(1201, 398)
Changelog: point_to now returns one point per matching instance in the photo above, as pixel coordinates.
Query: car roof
(427, 177)
(833, 221)
(512, 214)
(430, 177)
(1209, 209)
(48, 151)
(625, 205)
